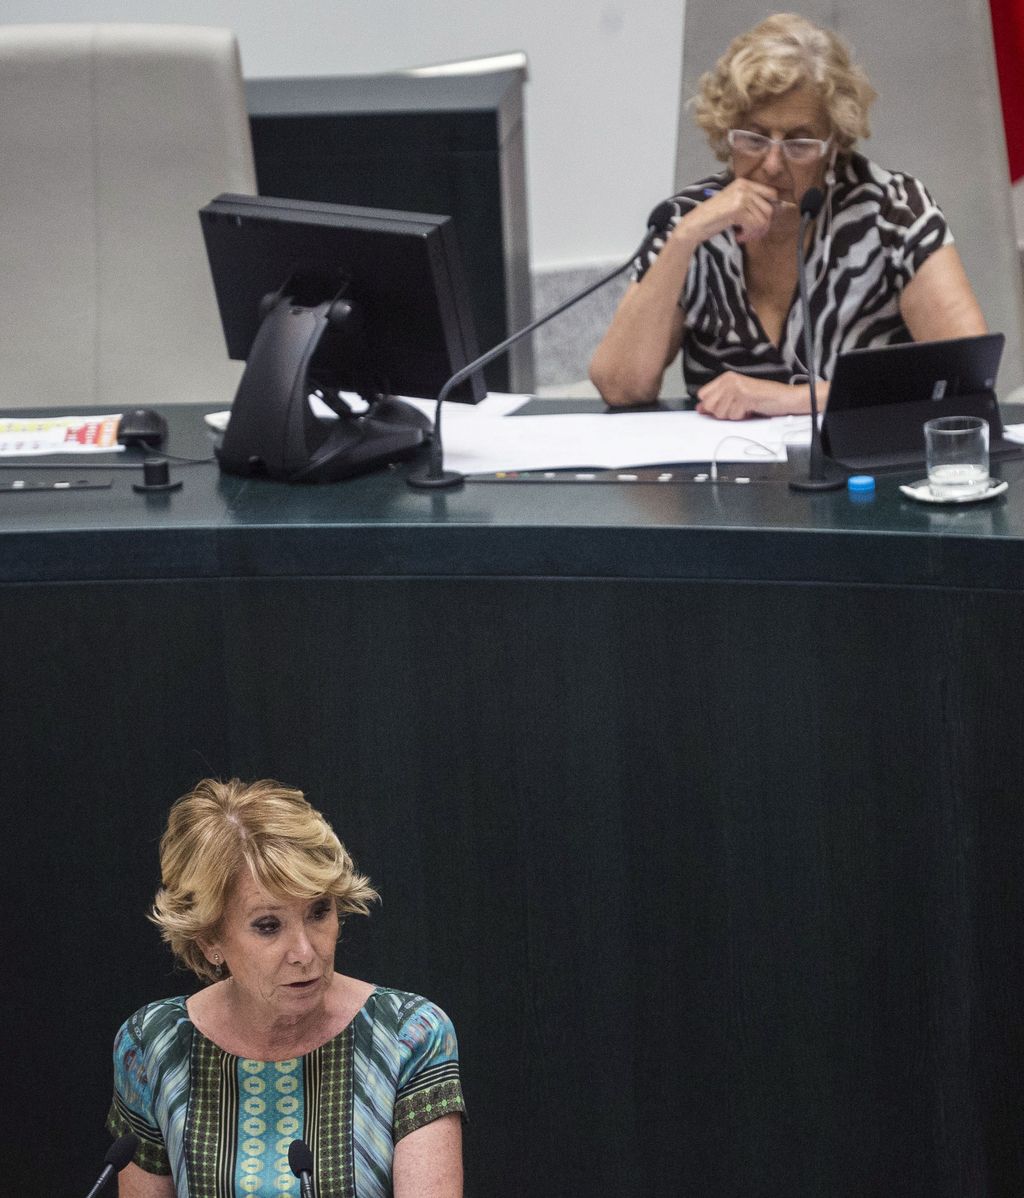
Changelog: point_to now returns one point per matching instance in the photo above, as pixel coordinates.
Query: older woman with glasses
(717, 275)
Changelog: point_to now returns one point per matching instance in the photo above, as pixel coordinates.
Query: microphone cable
(140, 464)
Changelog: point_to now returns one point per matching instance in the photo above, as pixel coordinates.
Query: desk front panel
(718, 879)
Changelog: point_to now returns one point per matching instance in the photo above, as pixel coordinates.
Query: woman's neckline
(815, 238)
(241, 1056)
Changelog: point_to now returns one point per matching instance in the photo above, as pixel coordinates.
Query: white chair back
(111, 139)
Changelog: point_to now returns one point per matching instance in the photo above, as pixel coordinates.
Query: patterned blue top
(221, 1125)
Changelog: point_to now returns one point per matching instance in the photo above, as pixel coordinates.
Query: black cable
(173, 457)
(71, 466)
(136, 465)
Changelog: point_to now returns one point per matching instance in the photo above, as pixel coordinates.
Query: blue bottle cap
(860, 484)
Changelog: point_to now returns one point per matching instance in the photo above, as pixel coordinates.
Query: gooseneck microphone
(820, 477)
(435, 475)
(300, 1160)
(118, 1155)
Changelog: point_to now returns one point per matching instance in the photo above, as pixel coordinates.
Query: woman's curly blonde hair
(783, 52)
(221, 830)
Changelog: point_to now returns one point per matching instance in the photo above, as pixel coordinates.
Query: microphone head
(661, 215)
(300, 1159)
(121, 1152)
(812, 201)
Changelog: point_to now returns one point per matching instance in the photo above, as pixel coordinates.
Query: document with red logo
(32, 435)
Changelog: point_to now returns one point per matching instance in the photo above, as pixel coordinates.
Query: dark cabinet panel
(452, 145)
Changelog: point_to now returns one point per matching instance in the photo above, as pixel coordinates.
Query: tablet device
(880, 398)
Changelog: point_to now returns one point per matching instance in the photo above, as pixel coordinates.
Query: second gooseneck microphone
(820, 475)
(300, 1160)
(119, 1154)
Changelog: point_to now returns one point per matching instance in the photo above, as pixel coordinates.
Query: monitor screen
(335, 299)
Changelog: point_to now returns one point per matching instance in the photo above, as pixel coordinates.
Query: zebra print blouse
(872, 235)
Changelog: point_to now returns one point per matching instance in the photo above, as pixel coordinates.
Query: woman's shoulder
(404, 1013)
(862, 180)
(402, 1034)
(151, 1045)
(154, 1020)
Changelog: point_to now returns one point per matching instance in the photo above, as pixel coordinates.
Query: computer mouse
(141, 426)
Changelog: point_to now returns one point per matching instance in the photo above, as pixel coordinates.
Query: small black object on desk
(156, 476)
(142, 426)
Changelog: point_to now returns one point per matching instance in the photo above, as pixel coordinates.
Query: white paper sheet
(482, 439)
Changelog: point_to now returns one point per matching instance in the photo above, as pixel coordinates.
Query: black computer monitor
(334, 300)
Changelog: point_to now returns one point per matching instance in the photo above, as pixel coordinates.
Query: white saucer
(921, 491)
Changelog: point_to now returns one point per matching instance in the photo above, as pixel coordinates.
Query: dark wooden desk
(699, 809)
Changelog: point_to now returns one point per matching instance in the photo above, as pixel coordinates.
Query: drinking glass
(956, 451)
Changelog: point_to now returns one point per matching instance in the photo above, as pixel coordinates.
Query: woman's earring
(830, 174)
(218, 968)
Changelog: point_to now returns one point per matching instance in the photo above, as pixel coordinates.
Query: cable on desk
(713, 475)
(136, 465)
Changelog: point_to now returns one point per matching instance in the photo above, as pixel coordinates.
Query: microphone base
(446, 480)
(832, 481)
(814, 470)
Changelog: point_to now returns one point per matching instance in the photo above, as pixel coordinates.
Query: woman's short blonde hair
(783, 52)
(220, 830)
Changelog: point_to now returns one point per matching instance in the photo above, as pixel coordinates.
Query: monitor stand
(273, 433)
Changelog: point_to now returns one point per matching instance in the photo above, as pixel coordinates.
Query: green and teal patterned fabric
(221, 1125)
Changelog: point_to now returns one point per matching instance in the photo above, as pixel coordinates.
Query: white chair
(111, 139)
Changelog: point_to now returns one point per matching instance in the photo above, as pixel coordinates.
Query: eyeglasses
(796, 149)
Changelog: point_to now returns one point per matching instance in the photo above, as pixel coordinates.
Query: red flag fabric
(1008, 34)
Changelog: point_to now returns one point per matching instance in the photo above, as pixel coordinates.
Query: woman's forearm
(646, 331)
